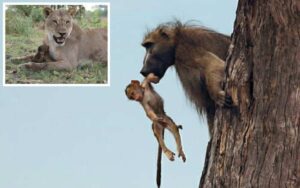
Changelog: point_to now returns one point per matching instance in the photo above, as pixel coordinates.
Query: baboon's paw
(170, 155)
(223, 100)
(228, 101)
(182, 155)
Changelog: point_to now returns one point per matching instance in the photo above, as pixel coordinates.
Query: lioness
(68, 43)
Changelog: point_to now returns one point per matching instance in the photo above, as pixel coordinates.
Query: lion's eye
(54, 21)
(67, 22)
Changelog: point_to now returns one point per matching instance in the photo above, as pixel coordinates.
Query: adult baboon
(198, 55)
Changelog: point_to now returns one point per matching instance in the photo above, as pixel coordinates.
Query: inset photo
(56, 44)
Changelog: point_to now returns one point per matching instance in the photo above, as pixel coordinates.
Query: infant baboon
(40, 58)
(154, 108)
(42, 55)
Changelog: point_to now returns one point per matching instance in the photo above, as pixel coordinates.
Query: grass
(17, 45)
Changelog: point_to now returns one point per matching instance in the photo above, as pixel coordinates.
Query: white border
(4, 4)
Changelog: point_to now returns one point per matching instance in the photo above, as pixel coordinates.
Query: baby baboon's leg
(174, 129)
(23, 58)
(55, 65)
(158, 132)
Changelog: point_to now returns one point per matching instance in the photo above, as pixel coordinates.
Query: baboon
(198, 55)
(42, 55)
(153, 105)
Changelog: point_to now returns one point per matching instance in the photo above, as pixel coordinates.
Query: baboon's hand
(182, 155)
(170, 155)
(223, 100)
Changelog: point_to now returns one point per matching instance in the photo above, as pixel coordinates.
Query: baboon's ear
(72, 11)
(165, 33)
(47, 11)
(135, 82)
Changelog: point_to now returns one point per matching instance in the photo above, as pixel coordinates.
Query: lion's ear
(72, 11)
(47, 11)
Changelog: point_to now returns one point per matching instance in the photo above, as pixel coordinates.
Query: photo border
(4, 4)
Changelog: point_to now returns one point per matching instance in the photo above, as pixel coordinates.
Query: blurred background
(94, 137)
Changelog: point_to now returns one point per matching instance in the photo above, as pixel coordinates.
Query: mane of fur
(191, 41)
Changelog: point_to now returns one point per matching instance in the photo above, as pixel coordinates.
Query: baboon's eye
(130, 96)
(147, 44)
(67, 22)
(54, 21)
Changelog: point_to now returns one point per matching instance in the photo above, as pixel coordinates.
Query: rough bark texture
(257, 144)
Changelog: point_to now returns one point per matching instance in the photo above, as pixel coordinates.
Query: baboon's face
(134, 91)
(160, 52)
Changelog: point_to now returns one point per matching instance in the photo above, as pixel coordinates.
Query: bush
(37, 15)
(20, 25)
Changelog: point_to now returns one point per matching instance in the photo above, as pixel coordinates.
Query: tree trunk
(257, 143)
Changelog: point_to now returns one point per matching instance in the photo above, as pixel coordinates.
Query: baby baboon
(39, 59)
(42, 54)
(198, 55)
(154, 108)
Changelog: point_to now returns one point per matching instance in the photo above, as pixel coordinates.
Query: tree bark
(257, 143)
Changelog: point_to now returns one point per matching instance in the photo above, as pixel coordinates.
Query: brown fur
(198, 55)
(42, 55)
(154, 108)
(68, 43)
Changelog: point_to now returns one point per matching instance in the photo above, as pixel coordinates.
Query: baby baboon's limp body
(42, 55)
(154, 108)
(39, 58)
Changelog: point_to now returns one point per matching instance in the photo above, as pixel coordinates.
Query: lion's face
(58, 24)
(160, 54)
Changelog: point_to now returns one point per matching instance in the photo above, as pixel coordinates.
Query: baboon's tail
(158, 170)
(158, 167)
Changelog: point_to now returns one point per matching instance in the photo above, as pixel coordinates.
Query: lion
(68, 43)
(198, 55)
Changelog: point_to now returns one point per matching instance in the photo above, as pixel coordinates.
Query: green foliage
(24, 10)
(86, 74)
(37, 14)
(93, 19)
(18, 24)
